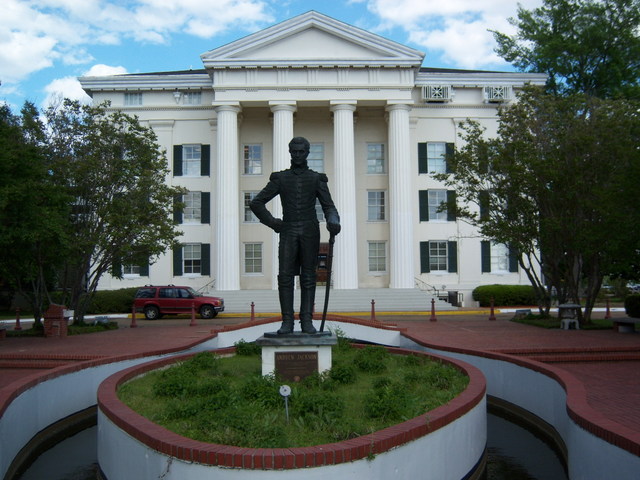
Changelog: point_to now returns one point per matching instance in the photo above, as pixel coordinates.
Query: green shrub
(504, 295)
(371, 359)
(112, 301)
(247, 348)
(344, 374)
(386, 401)
(632, 305)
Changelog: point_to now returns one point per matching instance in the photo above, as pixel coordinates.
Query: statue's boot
(285, 291)
(307, 297)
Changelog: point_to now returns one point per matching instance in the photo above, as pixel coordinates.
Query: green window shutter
(205, 259)
(424, 205)
(449, 149)
(177, 261)
(205, 160)
(424, 257)
(144, 269)
(451, 206)
(205, 203)
(513, 259)
(177, 211)
(452, 248)
(116, 268)
(177, 160)
(423, 162)
(483, 198)
(485, 254)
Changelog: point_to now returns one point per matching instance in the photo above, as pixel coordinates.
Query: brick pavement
(613, 387)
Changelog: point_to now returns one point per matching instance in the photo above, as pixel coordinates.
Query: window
(319, 211)
(438, 256)
(192, 259)
(375, 158)
(191, 160)
(431, 203)
(192, 207)
(131, 270)
(377, 257)
(249, 216)
(192, 98)
(252, 258)
(253, 159)
(196, 208)
(432, 157)
(315, 160)
(376, 206)
(498, 258)
(132, 99)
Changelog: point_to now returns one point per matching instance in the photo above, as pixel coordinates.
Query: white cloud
(69, 87)
(457, 29)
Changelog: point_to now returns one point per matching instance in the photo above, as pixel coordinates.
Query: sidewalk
(606, 362)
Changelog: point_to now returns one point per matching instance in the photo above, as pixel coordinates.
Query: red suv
(172, 300)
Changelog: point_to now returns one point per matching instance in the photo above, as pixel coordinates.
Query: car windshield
(193, 292)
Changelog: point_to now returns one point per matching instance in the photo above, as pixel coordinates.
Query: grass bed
(554, 322)
(228, 401)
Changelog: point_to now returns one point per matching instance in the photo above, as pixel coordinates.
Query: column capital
(227, 107)
(397, 105)
(286, 106)
(349, 105)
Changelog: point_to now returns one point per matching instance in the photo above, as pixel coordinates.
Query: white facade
(372, 114)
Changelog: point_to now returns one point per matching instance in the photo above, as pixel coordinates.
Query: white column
(401, 266)
(226, 224)
(345, 260)
(282, 135)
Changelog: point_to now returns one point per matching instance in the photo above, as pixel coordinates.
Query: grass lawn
(228, 401)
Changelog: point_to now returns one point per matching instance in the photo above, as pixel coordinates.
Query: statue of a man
(298, 187)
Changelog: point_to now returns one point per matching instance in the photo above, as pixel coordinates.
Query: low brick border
(578, 407)
(172, 444)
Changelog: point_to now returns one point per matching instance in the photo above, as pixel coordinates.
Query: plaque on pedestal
(297, 355)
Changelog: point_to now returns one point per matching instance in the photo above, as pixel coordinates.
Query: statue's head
(299, 150)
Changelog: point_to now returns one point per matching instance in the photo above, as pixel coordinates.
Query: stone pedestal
(56, 321)
(296, 355)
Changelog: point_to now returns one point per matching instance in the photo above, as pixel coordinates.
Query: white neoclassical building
(379, 124)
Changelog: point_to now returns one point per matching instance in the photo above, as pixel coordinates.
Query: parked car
(156, 301)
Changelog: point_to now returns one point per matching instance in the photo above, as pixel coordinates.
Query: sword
(332, 240)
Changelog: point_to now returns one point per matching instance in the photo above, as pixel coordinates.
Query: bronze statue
(299, 230)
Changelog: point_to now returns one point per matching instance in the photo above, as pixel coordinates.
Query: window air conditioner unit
(497, 94)
(437, 93)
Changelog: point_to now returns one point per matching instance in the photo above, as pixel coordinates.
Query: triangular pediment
(312, 39)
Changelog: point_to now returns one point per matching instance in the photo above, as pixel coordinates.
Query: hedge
(112, 301)
(632, 305)
(505, 295)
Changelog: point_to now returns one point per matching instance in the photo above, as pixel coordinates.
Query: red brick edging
(169, 443)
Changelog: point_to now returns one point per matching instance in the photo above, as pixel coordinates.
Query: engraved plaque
(296, 366)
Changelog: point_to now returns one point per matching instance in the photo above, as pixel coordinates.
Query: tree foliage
(80, 191)
(586, 46)
(557, 183)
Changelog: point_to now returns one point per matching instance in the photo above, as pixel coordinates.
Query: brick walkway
(606, 362)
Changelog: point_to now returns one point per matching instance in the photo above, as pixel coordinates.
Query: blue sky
(46, 44)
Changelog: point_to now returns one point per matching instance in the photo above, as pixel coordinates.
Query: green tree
(586, 46)
(33, 212)
(557, 183)
(114, 171)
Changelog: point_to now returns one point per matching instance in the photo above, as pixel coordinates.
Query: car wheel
(207, 311)
(151, 313)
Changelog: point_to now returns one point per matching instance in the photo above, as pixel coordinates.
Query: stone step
(356, 300)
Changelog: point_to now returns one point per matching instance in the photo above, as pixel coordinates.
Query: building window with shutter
(195, 208)
(191, 160)
(129, 270)
(253, 258)
(432, 157)
(252, 159)
(192, 259)
(498, 258)
(438, 256)
(437, 205)
(375, 158)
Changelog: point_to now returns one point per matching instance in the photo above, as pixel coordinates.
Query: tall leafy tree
(114, 171)
(33, 211)
(586, 46)
(557, 184)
